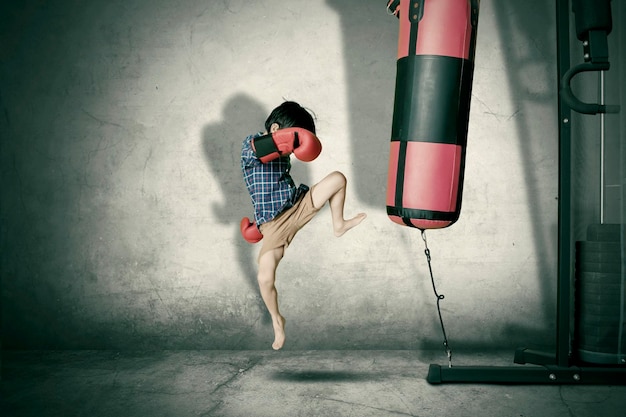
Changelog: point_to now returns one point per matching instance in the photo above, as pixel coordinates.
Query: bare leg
(333, 189)
(266, 277)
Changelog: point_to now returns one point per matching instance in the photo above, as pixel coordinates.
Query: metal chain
(393, 7)
(439, 298)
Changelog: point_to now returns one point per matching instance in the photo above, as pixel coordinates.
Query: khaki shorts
(280, 231)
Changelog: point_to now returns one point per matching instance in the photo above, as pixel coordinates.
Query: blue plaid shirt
(271, 188)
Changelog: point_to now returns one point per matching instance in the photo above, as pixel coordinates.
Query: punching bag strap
(416, 12)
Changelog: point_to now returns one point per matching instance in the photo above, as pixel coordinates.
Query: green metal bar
(550, 375)
(524, 356)
(563, 342)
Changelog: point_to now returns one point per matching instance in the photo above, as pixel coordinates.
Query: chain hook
(426, 250)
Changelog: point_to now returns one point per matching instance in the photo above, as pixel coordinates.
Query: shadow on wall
(529, 70)
(221, 143)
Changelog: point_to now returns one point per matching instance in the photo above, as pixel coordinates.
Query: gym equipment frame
(559, 367)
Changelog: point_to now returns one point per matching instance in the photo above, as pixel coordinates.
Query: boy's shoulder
(249, 138)
(248, 157)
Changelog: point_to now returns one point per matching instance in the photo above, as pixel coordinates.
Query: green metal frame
(556, 368)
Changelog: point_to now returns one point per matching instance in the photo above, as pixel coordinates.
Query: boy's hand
(249, 231)
(303, 143)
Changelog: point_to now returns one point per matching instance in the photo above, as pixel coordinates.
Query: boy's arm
(301, 142)
(248, 157)
(250, 231)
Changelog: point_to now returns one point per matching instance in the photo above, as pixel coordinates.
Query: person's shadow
(221, 143)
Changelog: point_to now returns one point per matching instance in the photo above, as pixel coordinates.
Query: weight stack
(600, 296)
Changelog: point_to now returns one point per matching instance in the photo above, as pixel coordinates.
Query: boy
(281, 208)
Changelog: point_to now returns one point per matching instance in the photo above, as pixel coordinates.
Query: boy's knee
(339, 178)
(265, 278)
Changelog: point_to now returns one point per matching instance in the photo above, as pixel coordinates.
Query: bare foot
(349, 224)
(279, 332)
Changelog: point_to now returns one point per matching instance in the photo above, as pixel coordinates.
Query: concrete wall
(121, 191)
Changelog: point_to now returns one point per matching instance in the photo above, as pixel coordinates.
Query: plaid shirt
(271, 188)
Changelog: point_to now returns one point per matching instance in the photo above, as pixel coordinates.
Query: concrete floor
(287, 383)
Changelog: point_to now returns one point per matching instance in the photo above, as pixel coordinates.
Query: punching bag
(435, 68)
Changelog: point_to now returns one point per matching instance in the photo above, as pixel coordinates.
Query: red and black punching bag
(435, 68)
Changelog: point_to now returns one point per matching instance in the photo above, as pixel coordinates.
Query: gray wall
(121, 191)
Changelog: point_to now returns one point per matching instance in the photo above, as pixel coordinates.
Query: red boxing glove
(249, 231)
(303, 143)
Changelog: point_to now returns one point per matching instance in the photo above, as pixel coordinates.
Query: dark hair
(290, 114)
